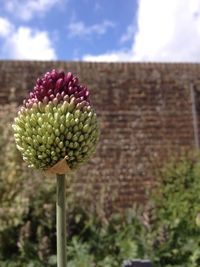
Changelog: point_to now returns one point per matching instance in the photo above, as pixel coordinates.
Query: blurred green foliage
(174, 236)
(165, 230)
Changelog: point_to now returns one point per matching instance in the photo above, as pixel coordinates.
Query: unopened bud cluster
(56, 121)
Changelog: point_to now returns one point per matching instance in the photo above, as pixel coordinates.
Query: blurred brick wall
(145, 114)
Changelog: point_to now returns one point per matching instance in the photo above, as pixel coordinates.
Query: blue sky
(100, 30)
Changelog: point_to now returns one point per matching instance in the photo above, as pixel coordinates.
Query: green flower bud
(62, 118)
(70, 153)
(39, 138)
(40, 121)
(57, 149)
(53, 153)
(48, 108)
(85, 149)
(42, 148)
(49, 128)
(76, 144)
(75, 129)
(44, 139)
(55, 159)
(41, 106)
(48, 131)
(57, 132)
(61, 145)
(67, 143)
(56, 116)
(65, 107)
(81, 138)
(72, 105)
(80, 126)
(75, 137)
(62, 128)
(50, 140)
(29, 140)
(71, 145)
(69, 136)
(86, 128)
(77, 114)
(57, 140)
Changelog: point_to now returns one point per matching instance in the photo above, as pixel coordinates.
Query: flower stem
(61, 222)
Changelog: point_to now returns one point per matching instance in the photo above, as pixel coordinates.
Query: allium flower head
(56, 121)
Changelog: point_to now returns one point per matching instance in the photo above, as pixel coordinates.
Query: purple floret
(58, 87)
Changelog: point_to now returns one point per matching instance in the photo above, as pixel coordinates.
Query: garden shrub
(174, 236)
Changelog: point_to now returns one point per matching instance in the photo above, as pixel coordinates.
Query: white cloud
(25, 43)
(170, 33)
(26, 9)
(112, 56)
(28, 44)
(79, 29)
(128, 35)
(168, 30)
(5, 27)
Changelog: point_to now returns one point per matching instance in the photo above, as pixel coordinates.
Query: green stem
(61, 222)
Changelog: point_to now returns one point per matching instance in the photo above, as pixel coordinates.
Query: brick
(145, 114)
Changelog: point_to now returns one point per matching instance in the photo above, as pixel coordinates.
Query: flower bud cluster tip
(56, 121)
